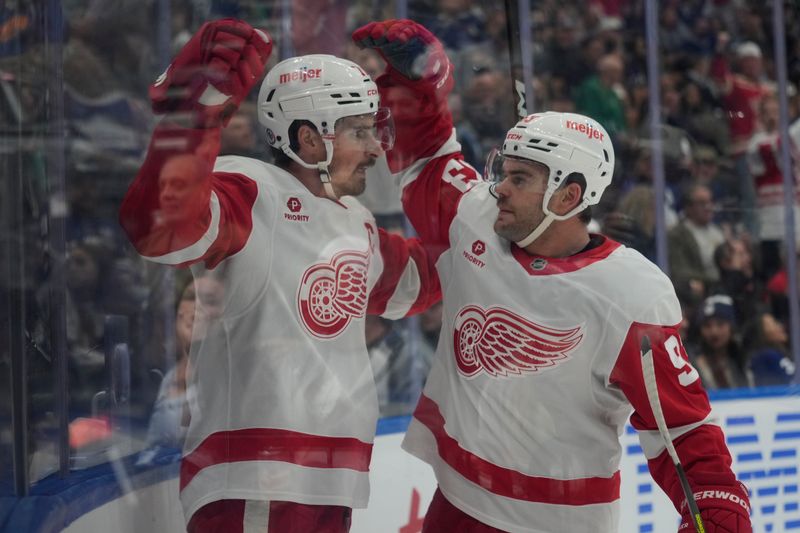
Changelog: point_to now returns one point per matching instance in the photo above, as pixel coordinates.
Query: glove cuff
(437, 86)
(730, 498)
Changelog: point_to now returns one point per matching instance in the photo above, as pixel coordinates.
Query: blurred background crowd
(75, 121)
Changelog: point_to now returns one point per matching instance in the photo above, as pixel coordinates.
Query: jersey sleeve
(431, 193)
(699, 442)
(210, 217)
(421, 117)
(426, 156)
(409, 283)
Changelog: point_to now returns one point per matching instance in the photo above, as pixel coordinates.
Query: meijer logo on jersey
(589, 130)
(301, 75)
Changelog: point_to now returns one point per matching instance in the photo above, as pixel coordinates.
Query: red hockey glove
(407, 47)
(723, 509)
(213, 72)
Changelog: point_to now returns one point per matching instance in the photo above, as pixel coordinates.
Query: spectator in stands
(108, 47)
(488, 106)
(599, 96)
(691, 246)
(490, 53)
(777, 290)
(721, 361)
(741, 95)
(763, 159)
(708, 168)
(702, 119)
(770, 359)
(565, 56)
(633, 221)
(674, 35)
(734, 261)
(87, 262)
(166, 427)
(457, 23)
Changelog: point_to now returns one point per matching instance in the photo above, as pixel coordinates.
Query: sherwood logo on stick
(303, 74)
(587, 129)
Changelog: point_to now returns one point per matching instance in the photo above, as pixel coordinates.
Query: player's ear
(567, 198)
(308, 137)
(310, 147)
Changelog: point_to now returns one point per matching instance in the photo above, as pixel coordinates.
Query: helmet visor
(523, 173)
(369, 129)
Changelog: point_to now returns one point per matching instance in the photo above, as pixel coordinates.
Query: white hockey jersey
(284, 404)
(763, 159)
(539, 366)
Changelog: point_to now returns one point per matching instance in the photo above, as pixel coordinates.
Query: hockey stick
(649, 374)
(517, 60)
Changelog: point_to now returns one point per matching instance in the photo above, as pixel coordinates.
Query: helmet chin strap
(537, 231)
(324, 174)
(548, 219)
(321, 167)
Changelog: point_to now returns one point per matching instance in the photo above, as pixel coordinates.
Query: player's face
(355, 149)
(519, 198)
(178, 182)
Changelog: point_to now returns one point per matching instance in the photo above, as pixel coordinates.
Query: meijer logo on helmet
(583, 128)
(302, 75)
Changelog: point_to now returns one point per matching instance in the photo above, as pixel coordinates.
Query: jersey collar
(539, 265)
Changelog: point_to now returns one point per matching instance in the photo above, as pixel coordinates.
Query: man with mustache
(539, 362)
(283, 407)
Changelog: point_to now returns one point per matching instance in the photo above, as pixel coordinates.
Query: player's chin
(358, 184)
(503, 229)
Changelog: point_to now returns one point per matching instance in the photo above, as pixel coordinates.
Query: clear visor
(523, 172)
(370, 128)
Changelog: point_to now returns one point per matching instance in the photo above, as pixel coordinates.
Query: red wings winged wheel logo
(331, 294)
(503, 344)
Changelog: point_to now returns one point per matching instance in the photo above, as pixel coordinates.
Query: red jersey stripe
(511, 483)
(268, 444)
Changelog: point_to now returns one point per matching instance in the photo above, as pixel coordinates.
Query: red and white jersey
(539, 366)
(763, 159)
(284, 405)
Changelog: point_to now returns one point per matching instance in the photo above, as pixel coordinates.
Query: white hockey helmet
(320, 89)
(567, 143)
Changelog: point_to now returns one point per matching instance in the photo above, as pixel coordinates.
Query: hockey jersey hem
(296, 497)
(276, 481)
(507, 482)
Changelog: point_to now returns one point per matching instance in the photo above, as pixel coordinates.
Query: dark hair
(723, 253)
(279, 157)
(688, 192)
(584, 216)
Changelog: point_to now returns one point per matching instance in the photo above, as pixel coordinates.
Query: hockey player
(283, 404)
(538, 364)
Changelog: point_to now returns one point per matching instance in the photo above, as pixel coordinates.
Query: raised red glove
(213, 72)
(724, 509)
(407, 47)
